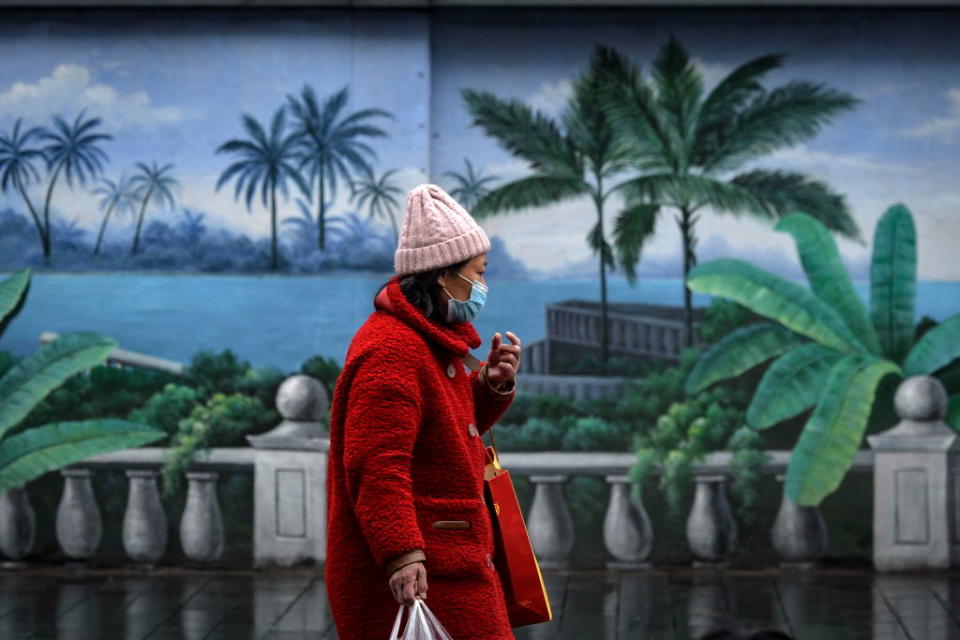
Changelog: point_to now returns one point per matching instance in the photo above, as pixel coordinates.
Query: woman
(405, 470)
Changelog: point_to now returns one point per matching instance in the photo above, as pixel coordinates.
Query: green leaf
(953, 413)
(740, 351)
(791, 385)
(532, 191)
(32, 453)
(784, 192)
(773, 120)
(524, 132)
(12, 291)
(693, 190)
(893, 281)
(35, 376)
(828, 278)
(632, 228)
(834, 432)
(937, 348)
(951, 379)
(776, 298)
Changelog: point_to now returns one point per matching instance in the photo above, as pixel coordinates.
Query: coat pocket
(456, 534)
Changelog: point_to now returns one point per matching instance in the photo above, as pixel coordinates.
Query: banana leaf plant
(829, 352)
(29, 453)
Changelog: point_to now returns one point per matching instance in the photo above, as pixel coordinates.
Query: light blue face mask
(466, 310)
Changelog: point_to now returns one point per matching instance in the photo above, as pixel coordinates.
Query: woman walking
(406, 513)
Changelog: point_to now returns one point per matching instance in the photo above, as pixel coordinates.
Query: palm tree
(828, 351)
(72, 149)
(191, 227)
(304, 228)
(329, 147)
(351, 229)
(17, 168)
(68, 233)
(381, 194)
(471, 188)
(153, 182)
(686, 144)
(267, 163)
(577, 156)
(118, 196)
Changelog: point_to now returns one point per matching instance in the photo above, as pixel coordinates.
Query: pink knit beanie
(437, 232)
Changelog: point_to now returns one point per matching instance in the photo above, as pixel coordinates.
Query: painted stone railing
(916, 497)
(289, 469)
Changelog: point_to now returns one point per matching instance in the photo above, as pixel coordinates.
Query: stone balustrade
(289, 466)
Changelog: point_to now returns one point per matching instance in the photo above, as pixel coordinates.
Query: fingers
(497, 341)
(409, 590)
(504, 371)
(513, 338)
(422, 582)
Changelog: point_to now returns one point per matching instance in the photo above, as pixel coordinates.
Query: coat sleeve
(489, 404)
(383, 418)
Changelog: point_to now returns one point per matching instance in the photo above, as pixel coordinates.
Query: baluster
(711, 529)
(144, 522)
(627, 533)
(78, 517)
(550, 524)
(17, 527)
(201, 529)
(799, 534)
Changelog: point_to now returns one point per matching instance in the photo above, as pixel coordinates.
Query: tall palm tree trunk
(46, 211)
(689, 259)
(103, 227)
(273, 226)
(143, 208)
(321, 210)
(33, 214)
(604, 336)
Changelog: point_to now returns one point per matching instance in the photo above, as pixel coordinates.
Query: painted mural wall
(223, 189)
(182, 109)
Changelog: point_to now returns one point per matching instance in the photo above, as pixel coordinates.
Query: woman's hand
(408, 582)
(504, 360)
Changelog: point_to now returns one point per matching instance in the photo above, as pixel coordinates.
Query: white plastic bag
(421, 624)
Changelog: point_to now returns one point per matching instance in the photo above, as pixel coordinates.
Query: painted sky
(901, 145)
(173, 90)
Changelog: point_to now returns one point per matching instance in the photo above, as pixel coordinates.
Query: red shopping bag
(514, 560)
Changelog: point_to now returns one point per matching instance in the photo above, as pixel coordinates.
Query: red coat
(405, 451)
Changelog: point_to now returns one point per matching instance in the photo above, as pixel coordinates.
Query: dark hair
(423, 292)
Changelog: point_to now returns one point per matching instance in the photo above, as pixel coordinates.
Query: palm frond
(773, 120)
(532, 191)
(525, 133)
(785, 192)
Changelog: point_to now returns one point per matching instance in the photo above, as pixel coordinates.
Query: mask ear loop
(451, 296)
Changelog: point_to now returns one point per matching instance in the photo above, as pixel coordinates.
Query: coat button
(451, 370)
(472, 429)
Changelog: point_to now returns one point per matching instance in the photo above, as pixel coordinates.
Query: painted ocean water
(281, 321)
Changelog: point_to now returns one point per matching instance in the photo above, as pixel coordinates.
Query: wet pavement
(236, 605)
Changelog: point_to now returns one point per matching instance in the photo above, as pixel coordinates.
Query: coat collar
(456, 337)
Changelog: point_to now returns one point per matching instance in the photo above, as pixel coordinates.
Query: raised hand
(503, 362)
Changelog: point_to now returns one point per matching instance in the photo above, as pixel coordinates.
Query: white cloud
(712, 73)
(881, 90)
(507, 171)
(801, 155)
(72, 87)
(552, 96)
(945, 128)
